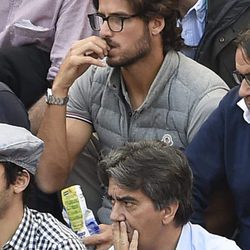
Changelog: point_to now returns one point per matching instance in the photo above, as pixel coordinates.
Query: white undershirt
(246, 113)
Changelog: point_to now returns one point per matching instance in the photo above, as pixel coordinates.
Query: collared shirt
(51, 25)
(246, 112)
(193, 24)
(194, 237)
(41, 231)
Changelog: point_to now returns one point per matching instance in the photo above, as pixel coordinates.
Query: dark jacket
(12, 110)
(216, 50)
(219, 151)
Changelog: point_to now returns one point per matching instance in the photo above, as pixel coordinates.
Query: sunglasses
(238, 77)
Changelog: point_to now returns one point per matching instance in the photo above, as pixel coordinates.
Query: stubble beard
(141, 48)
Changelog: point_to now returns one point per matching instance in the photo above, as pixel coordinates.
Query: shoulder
(229, 101)
(201, 238)
(17, 114)
(4, 88)
(53, 232)
(202, 88)
(6, 95)
(197, 77)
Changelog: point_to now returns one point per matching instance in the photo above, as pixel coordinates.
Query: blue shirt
(193, 24)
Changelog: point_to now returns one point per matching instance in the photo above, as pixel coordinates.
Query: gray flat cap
(19, 146)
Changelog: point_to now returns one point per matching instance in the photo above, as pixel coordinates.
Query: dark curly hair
(12, 171)
(168, 9)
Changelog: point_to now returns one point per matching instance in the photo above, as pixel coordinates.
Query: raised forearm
(54, 165)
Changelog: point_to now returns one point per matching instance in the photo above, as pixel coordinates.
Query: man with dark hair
(150, 187)
(21, 227)
(128, 84)
(220, 151)
(209, 29)
(13, 112)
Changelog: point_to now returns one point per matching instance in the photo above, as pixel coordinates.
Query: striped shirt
(42, 231)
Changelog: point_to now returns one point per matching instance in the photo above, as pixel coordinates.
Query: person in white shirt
(150, 186)
(220, 150)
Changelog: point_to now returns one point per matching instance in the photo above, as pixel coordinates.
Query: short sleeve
(80, 96)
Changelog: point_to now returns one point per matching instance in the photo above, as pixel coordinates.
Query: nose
(244, 89)
(117, 213)
(105, 30)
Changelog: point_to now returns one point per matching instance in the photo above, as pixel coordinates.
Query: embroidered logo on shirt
(167, 139)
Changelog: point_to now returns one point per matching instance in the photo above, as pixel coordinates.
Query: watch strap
(53, 100)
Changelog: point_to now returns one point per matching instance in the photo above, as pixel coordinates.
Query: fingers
(134, 241)
(116, 235)
(81, 55)
(91, 46)
(92, 240)
(123, 236)
(88, 51)
(103, 238)
(81, 60)
(120, 237)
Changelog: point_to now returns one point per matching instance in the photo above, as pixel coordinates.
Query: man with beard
(220, 151)
(209, 30)
(150, 188)
(128, 84)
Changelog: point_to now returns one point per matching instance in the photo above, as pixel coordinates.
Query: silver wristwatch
(52, 100)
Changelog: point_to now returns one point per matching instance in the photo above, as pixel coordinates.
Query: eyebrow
(124, 198)
(115, 14)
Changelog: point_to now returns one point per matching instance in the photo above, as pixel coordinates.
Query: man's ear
(169, 213)
(21, 182)
(156, 25)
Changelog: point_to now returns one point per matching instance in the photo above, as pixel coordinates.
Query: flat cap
(19, 146)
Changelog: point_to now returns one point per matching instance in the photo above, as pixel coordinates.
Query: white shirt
(246, 113)
(195, 237)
